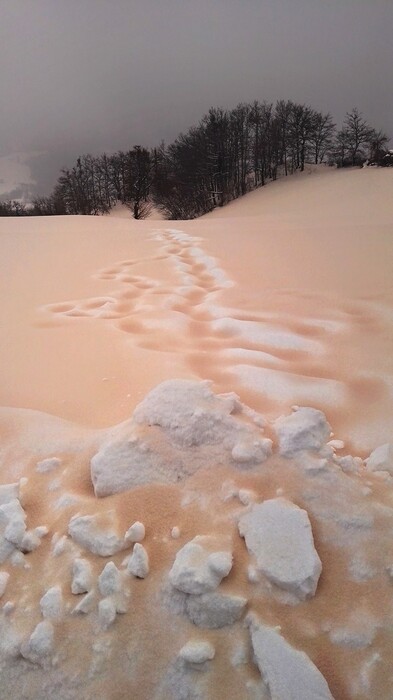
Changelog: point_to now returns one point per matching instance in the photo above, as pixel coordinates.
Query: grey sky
(80, 76)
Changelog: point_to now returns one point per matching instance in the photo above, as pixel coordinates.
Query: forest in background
(229, 153)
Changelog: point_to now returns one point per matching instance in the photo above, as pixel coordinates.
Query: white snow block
(106, 612)
(138, 563)
(183, 425)
(86, 531)
(278, 534)
(252, 450)
(381, 459)
(81, 576)
(213, 610)
(187, 410)
(40, 644)
(201, 564)
(9, 492)
(13, 522)
(109, 581)
(288, 673)
(51, 603)
(305, 429)
(197, 652)
(135, 533)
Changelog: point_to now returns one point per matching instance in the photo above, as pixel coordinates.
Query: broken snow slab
(304, 429)
(289, 674)
(180, 427)
(278, 534)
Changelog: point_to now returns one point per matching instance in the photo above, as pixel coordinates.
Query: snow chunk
(40, 643)
(13, 522)
(288, 673)
(175, 532)
(135, 533)
(106, 612)
(109, 581)
(252, 450)
(81, 576)
(88, 533)
(4, 577)
(201, 564)
(381, 459)
(51, 603)
(9, 492)
(213, 610)
(48, 465)
(138, 563)
(187, 410)
(278, 533)
(197, 652)
(305, 429)
(179, 427)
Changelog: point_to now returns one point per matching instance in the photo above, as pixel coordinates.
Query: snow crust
(278, 534)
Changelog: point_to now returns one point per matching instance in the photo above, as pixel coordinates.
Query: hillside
(197, 540)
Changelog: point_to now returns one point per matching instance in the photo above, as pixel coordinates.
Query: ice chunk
(109, 581)
(213, 610)
(106, 612)
(48, 465)
(4, 577)
(51, 603)
(87, 531)
(288, 673)
(135, 533)
(201, 564)
(138, 563)
(81, 576)
(40, 643)
(278, 534)
(305, 429)
(381, 459)
(175, 532)
(197, 652)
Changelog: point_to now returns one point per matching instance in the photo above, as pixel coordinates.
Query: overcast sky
(79, 76)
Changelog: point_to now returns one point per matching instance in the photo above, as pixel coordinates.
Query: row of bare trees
(95, 184)
(229, 153)
(232, 152)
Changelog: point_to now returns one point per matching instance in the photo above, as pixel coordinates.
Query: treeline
(229, 153)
